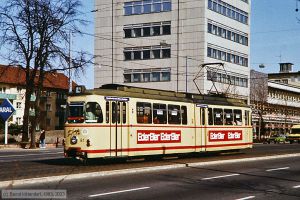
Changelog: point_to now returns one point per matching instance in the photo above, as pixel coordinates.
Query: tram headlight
(73, 140)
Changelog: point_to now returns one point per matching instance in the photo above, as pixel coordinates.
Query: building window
(227, 79)
(228, 10)
(19, 105)
(147, 75)
(137, 77)
(145, 53)
(19, 90)
(147, 6)
(146, 30)
(60, 95)
(165, 76)
(241, 38)
(127, 78)
(19, 120)
(226, 56)
(155, 76)
(2, 89)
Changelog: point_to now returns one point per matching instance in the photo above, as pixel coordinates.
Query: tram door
(203, 128)
(118, 127)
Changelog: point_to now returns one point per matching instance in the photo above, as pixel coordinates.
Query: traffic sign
(6, 110)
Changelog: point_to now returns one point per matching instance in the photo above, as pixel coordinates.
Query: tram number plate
(161, 136)
(228, 135)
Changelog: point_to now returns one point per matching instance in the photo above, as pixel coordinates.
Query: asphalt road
(22, 164)
(18, 155)
(270, 179)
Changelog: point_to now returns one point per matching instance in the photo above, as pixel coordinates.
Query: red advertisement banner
(158, 136)
(228, 135)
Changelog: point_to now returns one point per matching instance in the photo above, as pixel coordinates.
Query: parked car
(277, 138)
(294, 136)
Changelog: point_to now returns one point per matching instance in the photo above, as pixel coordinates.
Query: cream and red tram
(123, 121)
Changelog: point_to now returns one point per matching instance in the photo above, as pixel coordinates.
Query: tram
(124, 121)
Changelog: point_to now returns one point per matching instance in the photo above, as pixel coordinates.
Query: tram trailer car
(124, 121)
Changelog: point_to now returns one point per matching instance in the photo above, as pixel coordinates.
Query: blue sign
(6, 110)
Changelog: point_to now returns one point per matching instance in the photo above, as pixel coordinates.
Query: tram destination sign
(117, 99)
(6, 110)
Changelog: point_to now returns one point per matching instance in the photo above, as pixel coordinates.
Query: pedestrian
(42, 139)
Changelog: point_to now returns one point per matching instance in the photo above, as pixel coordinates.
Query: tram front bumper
(74, 153)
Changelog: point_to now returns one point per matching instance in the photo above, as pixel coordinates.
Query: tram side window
(210, 117)
(237, 117)
(174, 114)
(159, 113)
(184, 115)
(143, 113)
(124, 112)
(218, 116)
(247, 118)
(228, 117)
(202, 116)
(107, 112)
(93, 113)
(115, 112)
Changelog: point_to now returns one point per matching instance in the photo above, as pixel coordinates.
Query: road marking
(215, 177)
(35, 154)
(250, 197)
(137, 170)
(276, 169)
(297, 186)
(121, 191)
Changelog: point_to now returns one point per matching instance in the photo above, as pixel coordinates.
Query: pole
(186, 74)
(177, 73)
(259, 127)
(6, 131)
(70, 62)
(112, 41)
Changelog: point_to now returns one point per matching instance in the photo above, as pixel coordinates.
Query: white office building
(161, 44)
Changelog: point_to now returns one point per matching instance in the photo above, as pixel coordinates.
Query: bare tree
(259, 96)
(35, 34)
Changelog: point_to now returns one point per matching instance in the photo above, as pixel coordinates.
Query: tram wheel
(84, 160)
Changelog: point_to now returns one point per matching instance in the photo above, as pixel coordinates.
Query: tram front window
(93, 113)
(75, 113)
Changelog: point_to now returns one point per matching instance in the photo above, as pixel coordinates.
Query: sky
(275, 36)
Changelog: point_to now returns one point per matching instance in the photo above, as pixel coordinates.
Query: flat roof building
(161, 44)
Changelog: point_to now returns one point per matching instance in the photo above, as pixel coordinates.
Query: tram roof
(147, 93)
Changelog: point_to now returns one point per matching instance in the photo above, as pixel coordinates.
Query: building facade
(286, 75)
(52, 102)
(276, 104)
(161, 44)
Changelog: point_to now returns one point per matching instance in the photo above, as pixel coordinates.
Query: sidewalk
(18, 146)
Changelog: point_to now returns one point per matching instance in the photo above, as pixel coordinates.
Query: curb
(16, 146)
(61, 178)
